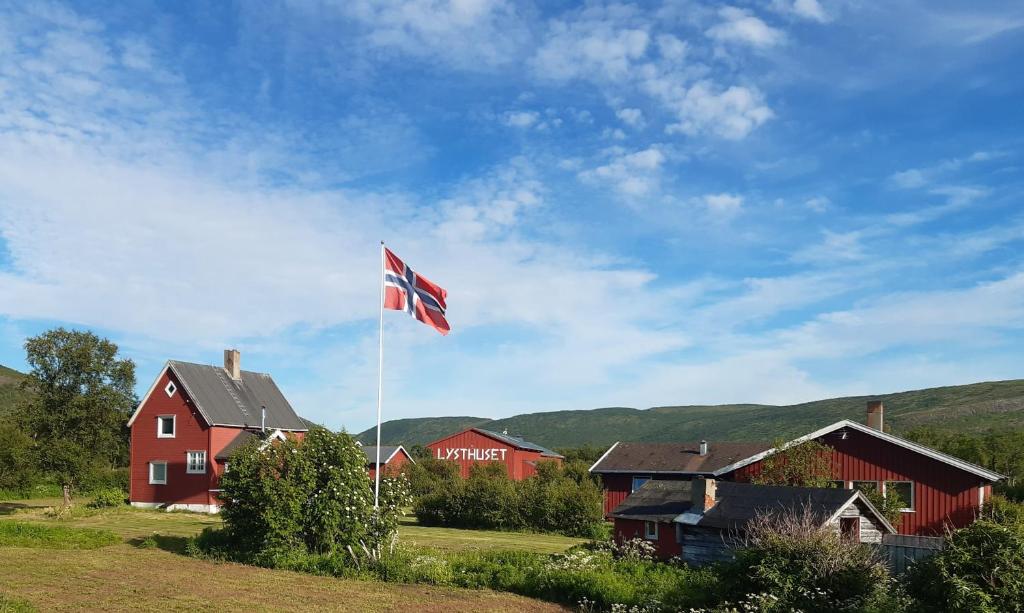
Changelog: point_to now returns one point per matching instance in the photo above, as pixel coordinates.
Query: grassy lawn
(127, 576)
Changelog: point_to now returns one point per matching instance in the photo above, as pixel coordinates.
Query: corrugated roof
(223, 401)
(675, 457)
(736, 503)
(516, 441)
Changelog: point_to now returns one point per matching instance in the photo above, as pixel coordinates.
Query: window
(171, 388)
(158, 473)
(225, 467)
(839, 485)
(651, 530)
(638, 482)
(196, 462)
(165, 426)
(866, 486)
(905, 490)
(849, 528)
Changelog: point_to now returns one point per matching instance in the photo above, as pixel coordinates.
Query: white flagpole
(380, 382)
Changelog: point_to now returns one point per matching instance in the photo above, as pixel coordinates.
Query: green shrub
(108, 498)
(981, 569)
(795, 563)
(10, 604)
(50, 536)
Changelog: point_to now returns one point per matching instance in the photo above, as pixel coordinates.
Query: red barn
(476, 445)
(939, 490)
(391, 458)
(190, 421)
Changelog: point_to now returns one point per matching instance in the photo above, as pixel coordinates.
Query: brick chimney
(876, 411)
(703, 447)
(702, 492)
(233, 363)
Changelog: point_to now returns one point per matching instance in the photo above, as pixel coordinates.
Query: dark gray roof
(385, 453)
(736, 503)
(244, 436)
(223, 401)
(681, 458)
(516, 441)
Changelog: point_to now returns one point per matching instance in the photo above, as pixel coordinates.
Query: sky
(629, 204)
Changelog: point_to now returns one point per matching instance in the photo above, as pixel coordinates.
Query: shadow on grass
(10, 508)
(173, 544)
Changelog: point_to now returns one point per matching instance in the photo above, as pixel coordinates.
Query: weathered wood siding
(706, 545)
(901, 550)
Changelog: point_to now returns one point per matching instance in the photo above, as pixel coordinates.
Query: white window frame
(651, 536)
(885, 488)
(159, 426)
(632, 484)
(152, 480)
(170, 389)
(188, 462)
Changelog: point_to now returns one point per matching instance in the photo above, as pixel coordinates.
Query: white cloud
(834, 247)
(591, 48)
(633, 174)
(908, 179)
(804, 9)
(741, 26)
(630, 116)
(818, 204)
(521, 119)
(723, 205)
(732, 113)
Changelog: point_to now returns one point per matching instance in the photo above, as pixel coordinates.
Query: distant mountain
(977, 406)
(10, 392)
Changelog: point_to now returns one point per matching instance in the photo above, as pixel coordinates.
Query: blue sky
(629, 204)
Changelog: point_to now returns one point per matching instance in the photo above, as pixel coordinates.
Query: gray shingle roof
(515, 441)
(736, 503)
(675, 457)
(225, 402)
(385, 453)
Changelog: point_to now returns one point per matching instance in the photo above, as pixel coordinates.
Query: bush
(981, 569)
(789, 561)
(108, 498)
(551, 501)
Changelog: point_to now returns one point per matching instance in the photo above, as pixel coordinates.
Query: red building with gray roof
(191, 420)
(477, 446)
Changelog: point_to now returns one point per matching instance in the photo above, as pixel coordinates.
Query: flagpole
(380, 381)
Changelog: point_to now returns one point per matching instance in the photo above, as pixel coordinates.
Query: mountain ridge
(970, 407)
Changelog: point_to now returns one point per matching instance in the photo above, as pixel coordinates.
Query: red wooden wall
(517, 461)
(190, 435)
(392, 467)
(618, 487)
(665, 546)
(943, 494)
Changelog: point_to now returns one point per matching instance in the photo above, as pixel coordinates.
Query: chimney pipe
(233, 363)
(263, 419)
(876, 414)
(702, 493)
(703, 447)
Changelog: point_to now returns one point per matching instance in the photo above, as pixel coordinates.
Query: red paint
(471, 447)
(392, 466)
(943, 494)
(665, 545)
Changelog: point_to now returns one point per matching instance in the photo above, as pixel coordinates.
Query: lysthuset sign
(472, 454)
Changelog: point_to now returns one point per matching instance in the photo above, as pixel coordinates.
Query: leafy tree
(808, 464)
(17, 458)
(82, 395)
(890, 504)
(419, 452)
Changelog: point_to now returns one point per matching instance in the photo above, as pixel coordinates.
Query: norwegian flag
(404, 290)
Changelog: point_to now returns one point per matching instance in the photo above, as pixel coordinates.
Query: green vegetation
(961, 408)
(805, 465)
(44, 536)
(15, 605)
(1001, 450)
(551, 501)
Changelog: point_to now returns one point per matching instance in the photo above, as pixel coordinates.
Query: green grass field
(129, 576)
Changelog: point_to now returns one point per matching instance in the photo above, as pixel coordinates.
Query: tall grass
(43, 536)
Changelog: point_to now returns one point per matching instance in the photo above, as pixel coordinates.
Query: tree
(808, 464)
(82, 395)
(17, 460)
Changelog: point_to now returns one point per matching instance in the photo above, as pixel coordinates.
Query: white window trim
(885, 485)
(648, 535)
(160, 430)
(170, 389)
(632, 482)
(153, 481)
(188, 462)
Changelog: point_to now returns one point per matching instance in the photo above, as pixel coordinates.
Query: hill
(10, 393)
(974, 407)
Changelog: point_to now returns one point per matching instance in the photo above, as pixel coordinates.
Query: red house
(939, 490)
(476, 445)
(189, 422)
(391, 458)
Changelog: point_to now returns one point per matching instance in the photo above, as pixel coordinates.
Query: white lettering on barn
(472, 453)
